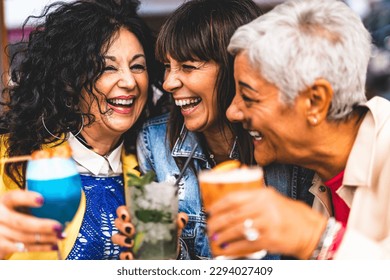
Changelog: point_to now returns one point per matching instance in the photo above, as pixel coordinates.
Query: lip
(182, 101)
(122, 110)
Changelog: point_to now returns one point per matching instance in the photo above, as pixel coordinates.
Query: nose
(126, 80)
(233, 112)
(172, 81)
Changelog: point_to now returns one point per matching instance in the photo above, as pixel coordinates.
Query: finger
(224, 220)
(41, 247)
(125, 228)
(28, 238)
(182, 220)
(123, 213)
(239, 248)
(8, 247)
(22, 222)
(122, 240)
(19, 198)
(126, 256)
(236, 231)
(232, 200)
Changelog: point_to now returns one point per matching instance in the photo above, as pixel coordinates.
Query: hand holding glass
(53, 174)
(153, 208)
(215, 184)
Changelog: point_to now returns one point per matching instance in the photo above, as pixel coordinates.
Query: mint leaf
(140, 181)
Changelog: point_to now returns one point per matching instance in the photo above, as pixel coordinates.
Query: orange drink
(214, 184)
(218, 182)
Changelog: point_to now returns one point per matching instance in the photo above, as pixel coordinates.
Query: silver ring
(37, 238)
(251, 234)
(20, 247)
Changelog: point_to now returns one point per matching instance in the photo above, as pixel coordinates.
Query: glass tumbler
(153, 208)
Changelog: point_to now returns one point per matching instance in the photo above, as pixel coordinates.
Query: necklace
(81, 139)
(211, 157)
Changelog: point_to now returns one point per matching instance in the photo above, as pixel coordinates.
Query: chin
(262, 161)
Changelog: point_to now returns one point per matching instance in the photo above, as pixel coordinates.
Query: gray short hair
(300, 41)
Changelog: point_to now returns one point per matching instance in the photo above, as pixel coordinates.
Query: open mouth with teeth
(256, 135)
(188, 103)
(119, 102)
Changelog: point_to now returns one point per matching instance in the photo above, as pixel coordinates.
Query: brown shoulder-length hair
(201, 30)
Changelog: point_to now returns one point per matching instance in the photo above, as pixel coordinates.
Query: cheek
(143, 86)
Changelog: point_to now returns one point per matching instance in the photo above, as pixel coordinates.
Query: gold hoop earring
(55, 136)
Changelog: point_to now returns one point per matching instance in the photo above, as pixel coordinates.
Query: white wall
(16, 11)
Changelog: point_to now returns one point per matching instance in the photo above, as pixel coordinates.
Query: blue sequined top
(103, 196)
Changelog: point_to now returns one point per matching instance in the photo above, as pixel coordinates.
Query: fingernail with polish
(123, 217)
(214, 237)
(61, 235)
(128, 230)
(54, 247)
(57, 228)
(128, 240)
(223, 245)
(39, 200)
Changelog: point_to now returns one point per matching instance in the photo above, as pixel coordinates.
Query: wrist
(329, 241)
(313, 236)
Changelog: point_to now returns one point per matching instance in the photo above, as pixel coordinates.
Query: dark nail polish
(39, 200)
(223, 245)
(128, 230)
(128, 240)
(214, 237)
(57, 228)
(61, 235)
(123, 217)
(54, 247)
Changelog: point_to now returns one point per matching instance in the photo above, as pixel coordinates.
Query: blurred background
(375, 14)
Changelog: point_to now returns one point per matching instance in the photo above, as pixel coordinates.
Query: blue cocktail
(57, 180)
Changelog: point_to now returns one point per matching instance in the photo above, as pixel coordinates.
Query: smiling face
(192, 84)
(276, 128)
(122, 89)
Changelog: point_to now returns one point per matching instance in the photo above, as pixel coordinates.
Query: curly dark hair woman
(63, 57)
(85, 79)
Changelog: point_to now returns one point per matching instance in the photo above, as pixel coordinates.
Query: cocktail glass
(153, 208)
(215, 184)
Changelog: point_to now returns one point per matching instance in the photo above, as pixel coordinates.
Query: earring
(314, 121)
(48, 131)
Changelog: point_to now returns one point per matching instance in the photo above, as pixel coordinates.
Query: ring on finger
(37, 238)
(20, 247)
(250, 233)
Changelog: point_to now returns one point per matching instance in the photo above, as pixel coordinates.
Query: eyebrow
(113, 58)
(246, 86)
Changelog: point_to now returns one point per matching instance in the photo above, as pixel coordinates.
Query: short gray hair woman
(300, 72)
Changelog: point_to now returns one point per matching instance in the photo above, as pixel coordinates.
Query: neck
(333, 144)
(101, 144)
(219, 144)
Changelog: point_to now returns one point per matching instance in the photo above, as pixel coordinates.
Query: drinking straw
(15, 159)
(186, 164)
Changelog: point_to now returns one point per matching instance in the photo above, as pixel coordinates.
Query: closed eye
(248, 101)
(188, 68)
(137, 68)
(109, 68)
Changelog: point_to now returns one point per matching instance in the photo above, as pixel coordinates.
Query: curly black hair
(64, 56)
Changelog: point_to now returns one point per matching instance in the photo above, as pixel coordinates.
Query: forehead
(245, 72)
(124, 39)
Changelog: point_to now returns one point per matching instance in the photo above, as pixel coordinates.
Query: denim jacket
(154, 153)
